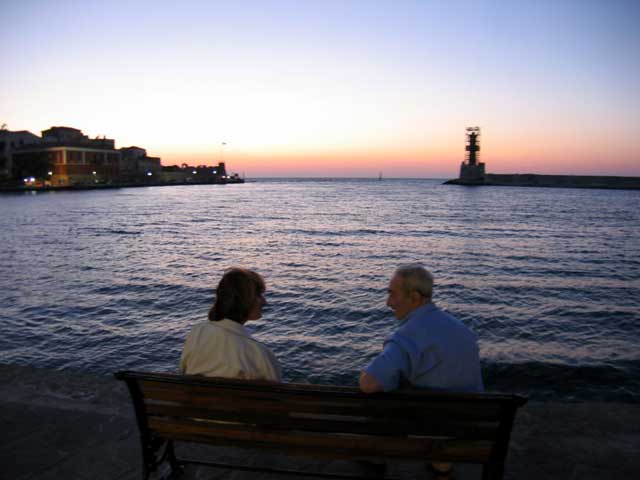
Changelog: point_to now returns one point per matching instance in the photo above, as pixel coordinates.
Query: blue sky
(335, 87)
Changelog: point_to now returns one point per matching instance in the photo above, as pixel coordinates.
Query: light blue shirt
(431, 349)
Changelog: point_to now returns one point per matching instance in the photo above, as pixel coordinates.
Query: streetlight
(222, 151)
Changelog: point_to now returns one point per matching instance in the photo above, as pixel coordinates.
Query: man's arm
(384, 372)
(369, 384)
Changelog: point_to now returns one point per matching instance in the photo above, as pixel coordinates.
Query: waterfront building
(10, 141)
(135, 165)
(67, 157)
(199, 174)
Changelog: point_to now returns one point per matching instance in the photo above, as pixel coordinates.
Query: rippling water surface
(548, 278)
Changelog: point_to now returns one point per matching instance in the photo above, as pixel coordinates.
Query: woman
(221, 347)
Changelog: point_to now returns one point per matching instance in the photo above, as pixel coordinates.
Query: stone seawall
(557, 181)
(74, 425)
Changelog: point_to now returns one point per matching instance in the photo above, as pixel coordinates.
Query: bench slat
(346, 446)
(262, 387)
(302, 388)
(357, 404)
(338, 423)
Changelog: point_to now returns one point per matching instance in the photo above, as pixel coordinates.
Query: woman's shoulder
(267, 359)
(201, 326)
(260, 348)
(257, 344)
(225, 324)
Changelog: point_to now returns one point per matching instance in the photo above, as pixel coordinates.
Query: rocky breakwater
(556, 181)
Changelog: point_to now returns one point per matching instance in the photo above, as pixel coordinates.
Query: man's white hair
(416, 278)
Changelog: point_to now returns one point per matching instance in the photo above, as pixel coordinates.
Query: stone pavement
(57, 425)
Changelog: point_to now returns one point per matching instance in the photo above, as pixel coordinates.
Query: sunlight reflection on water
(548, 278)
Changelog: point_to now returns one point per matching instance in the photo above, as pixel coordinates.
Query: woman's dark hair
(236, 294)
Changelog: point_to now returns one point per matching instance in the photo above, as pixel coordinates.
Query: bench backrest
(339, 422)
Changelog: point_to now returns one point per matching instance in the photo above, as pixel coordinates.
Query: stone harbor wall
(558, 181)
(74, 425)
(564, 181)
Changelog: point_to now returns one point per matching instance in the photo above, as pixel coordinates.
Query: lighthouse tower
(471, 169)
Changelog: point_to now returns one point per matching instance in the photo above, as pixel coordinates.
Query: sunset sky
(334, 88)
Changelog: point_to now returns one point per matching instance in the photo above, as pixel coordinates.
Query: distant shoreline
(18, 189)
(551, 181)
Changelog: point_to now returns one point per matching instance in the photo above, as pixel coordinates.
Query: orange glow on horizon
(440, 161)
(328, 163)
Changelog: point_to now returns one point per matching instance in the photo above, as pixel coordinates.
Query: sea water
(549, 279)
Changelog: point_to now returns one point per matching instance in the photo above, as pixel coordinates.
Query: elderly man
(430, 349)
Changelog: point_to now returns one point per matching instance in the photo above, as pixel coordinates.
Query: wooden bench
(319, 420)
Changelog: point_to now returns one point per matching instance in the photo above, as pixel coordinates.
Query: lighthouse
(471, 169)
